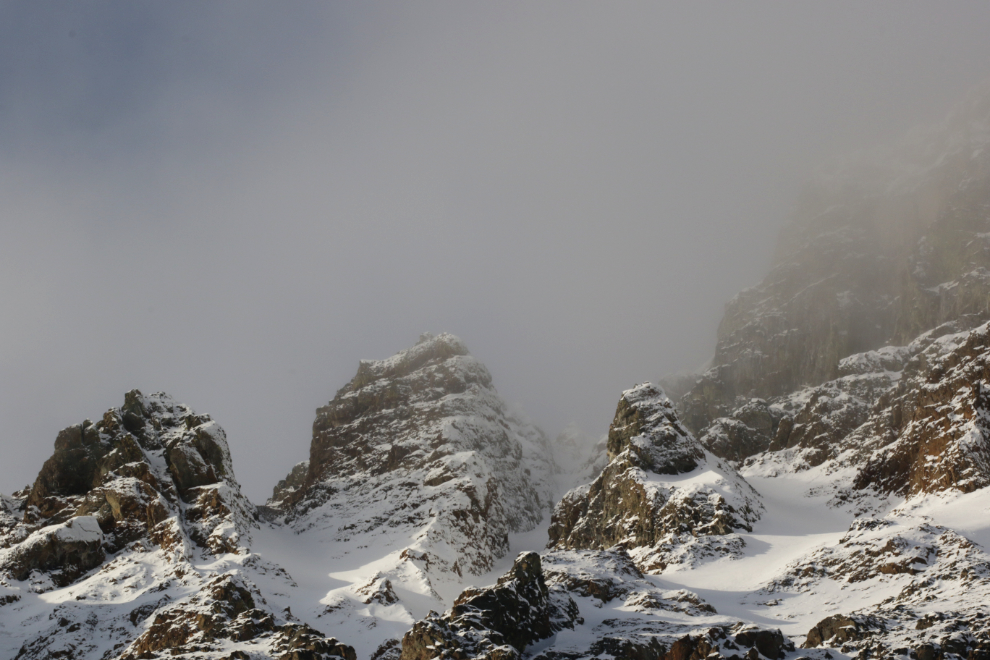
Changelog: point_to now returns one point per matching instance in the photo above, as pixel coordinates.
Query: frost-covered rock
(889, 434)
(293, 481)
(66, 550)
(221, 614)
(148, 470)
(932, 432)
(607, 576)
(662, 495)
(748, 430)
(910, 586)
(580, 604)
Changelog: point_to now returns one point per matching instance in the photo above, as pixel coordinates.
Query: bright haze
(235, 202)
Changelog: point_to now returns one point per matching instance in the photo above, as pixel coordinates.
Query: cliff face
(429, 411)
(840, 352)
(885, 246)
(853, 380)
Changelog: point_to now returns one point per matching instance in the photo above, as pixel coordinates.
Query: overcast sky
(235, 202)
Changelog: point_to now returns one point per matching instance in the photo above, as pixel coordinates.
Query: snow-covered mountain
(134, 542)
(661, 494)
(836, 495)
(821, 492)
(418, 474)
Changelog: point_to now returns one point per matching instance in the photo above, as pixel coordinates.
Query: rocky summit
(662, 495)
(819, 493)
(419, 469)
(134, 542)
(424, 436)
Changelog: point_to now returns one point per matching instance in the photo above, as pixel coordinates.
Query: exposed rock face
(838, 629)
(663, 521)
(418, 468)
(931, 432)
(748, 430)
(494, 622)
(611, 576)
(136, 472)
(224, 609)
(914, 425)
(132, 543)
(881, 249)
(66, 550)
(425, 435)
(938, 583)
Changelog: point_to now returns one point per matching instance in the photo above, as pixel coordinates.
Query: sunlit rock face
(881, 248)
(493, 622)
(931, 432)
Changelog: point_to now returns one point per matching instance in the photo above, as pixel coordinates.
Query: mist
(234, 203)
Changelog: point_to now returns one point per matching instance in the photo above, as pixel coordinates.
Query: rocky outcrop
(223, 613)
(611, 576)
(293, 481)
(748, 430)
(898, 421)
(66, 551)
(137, 536)
(494, 623)
(144, 471)
(931, 433)
(902, 422)
(536, 600)
(420, 471)
(642, 501)
(937, 582)
(838, 630)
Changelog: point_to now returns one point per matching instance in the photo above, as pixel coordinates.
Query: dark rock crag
(531, 603)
